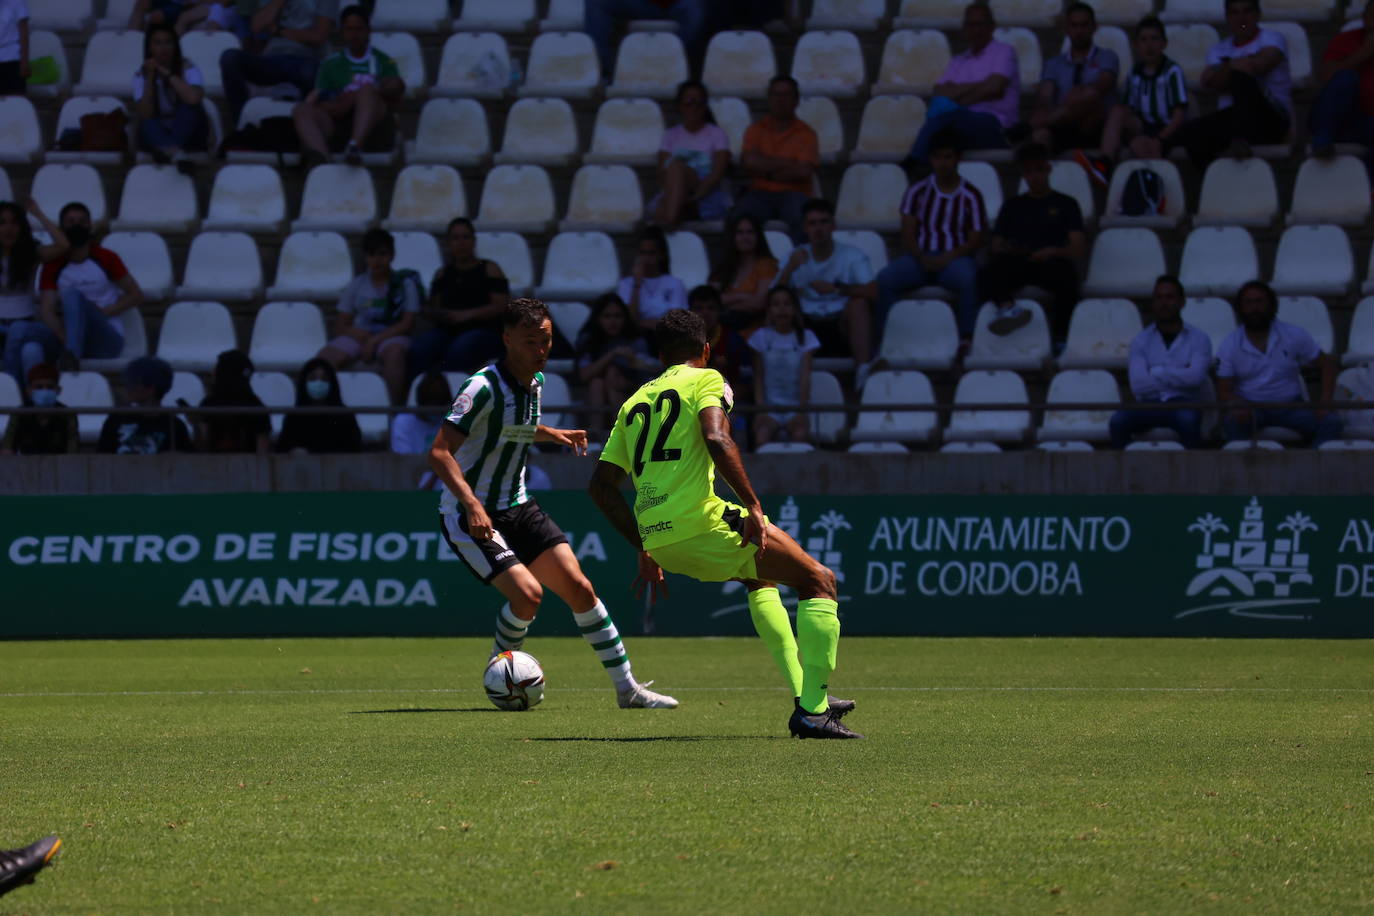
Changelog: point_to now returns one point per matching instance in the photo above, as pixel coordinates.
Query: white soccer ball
(514, 680)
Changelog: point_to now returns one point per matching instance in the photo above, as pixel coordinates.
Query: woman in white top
(783, 348)
(692, 161)
(167, 94)
(27, 341)
(650, 290)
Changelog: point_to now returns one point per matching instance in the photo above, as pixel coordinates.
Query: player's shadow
(379, 712)
(638, 738)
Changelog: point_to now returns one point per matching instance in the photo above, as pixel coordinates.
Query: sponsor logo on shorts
(505, 554)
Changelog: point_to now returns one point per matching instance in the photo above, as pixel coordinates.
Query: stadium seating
(1034, 13)
(687, 255)
(56, 185)
(934, 14)
(222, 267)
(896, 425)
(864, 15)
(562, 64)
(10, 396)
(826, 426)
(1360, 345)
(1346, 445)
(913, 61)
(451, 132)
(21, 140)
(981, 386)
(404, 49)
(555, 393)
(1028, 59)
(45, 43)
(426, 198)
(626, 132)
(569, 317)
(785, 448)
(739, 63)
(146, 256)
(157, 198)
(983, 176)
(69, 118)
(970, 447)
(337, 198)
(1026, 348)
(1064, 445)
(86, 389)
(733, 117)
(62, 15)
(417, 251)
(780, 244)
(1151, 445)
(1214, 317)
(888, 128)
(1188, 46)
(867, 241)
(112, 58)
(869, 196)
(204, 49)
(1114, 39)
(579, 267)
(246, 198)
(1079, 386)
(193, 335)
(135, 344)
(829, 64)
(1314, 260)
(823, 116)
(1334, 192)
(186, 386)
(366, 389)
(1100, 334)
(539, 131)
(285, 335)
(274, 389)
(1191, 11)
(649, 64)
(1217, 260)
(604, 198)
(1309, 313)
(516, 198)
(1067, 178)
(1124, 262)
(511, 253)
(1238, 192)
(920, 334)
(1175, 202)
(1350, 386)
(513, 16)
(258, 109)
(314, 266)
(895, 448)
(473, 64)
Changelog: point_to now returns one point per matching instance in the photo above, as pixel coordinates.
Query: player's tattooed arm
(604, 489)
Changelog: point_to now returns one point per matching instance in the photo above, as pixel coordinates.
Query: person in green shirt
(351, 106)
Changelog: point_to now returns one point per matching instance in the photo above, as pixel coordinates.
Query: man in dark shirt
(1037, 240)
(146, 380)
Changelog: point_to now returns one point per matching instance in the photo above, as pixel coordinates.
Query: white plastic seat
(512, 254)
(366, 389)
(146, 256)
(404, 49)
(1122, 12)
(186, 386)
(555, 393)
(62, 15)
(1079, 386)
(884, 448)
(455, 381)
(626, 132)
(564, 16)
(649, 64)
(1351, 385)
(1155, 445)
(1335, 191)
(337, 198)
(562, 64)
(274, 389)
(452, 132)
(920, 334)
(870, 194)
(1244, 445)
(54, 186)
(1299, 49)
(865, 15)
(888, 128)
(255, 111)
(1124, 262)
(983, 176)
(193, 334)
(1191, 11)
(111, 60)
(9, 397)
(315, 266)
(826, 426)
(1036, 14)
(1189, 44)
(135, 343)
(1064, 445)
(495, 15)
(516, 198)
(980, 386)
(968, 448)
(1213, 316)
(823, 116)
(203, 49)
(473, 64)
(1238, 192)
(896, 425)
(426, 198)
(929, 14)
(222, 267)
(1346, 445)
(1028, 347)
(1100, 334)
(69, 118)
(733, 117)
(604, 198)
(739, 64)
(784, 448)
(285, 335)
(687, 254)
(867, 241)
(569, 317)
(1175, 202)
(246, 198)
(157, 198)
(579, 266)
(913, 62)
(1029, 63)
(46, 43)
(540, 132)
(1302, 10)
(417, 251)
(6, 189)
(780, 243)
(1310, 314)
(115, 15)
(1360, 344)
(829, 64)
(1217, 260)
(1313, 260)
(411, 15)
(86, 389)
(21, 140)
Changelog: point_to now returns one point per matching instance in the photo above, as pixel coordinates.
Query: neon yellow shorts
(714, 555)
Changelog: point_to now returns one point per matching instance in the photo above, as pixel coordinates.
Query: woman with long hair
(692, 161)
(745, 272)
(27, 340)
(168, 90)
(783, 348)
(651, 291)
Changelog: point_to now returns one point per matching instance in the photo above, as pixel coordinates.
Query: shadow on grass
(378, 712)
(670, 738)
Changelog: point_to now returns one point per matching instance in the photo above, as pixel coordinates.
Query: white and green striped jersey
(499, 419)
(1154, 96)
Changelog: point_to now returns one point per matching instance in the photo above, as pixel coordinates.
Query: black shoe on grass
(840, 708)
(819, 725)
(18, 866)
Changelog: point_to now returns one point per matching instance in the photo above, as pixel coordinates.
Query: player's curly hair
(681, 335)
(524, 311)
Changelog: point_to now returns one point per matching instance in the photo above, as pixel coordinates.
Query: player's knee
(823, 581)
(529, 596)
(583, 595)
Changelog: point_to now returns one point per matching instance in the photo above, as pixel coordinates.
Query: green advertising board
(376, 563)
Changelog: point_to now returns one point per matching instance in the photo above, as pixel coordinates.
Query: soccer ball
(514, 680)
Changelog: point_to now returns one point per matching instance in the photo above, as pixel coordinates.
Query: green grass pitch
(999, 775)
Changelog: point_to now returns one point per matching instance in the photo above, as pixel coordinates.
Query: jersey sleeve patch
(472, 397)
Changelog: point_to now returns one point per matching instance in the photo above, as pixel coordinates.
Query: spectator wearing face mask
(41, 434)
(317, 385)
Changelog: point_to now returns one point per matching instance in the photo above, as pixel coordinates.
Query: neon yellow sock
(818, 633)
(775, 629)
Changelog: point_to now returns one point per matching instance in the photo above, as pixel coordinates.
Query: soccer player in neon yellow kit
(670, 437)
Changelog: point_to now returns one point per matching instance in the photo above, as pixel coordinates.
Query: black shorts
(522, 534)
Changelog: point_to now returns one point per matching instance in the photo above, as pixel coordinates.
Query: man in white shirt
(1261, 361)
(1169, 362)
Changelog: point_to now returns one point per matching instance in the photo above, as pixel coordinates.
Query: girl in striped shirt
(1156, 103)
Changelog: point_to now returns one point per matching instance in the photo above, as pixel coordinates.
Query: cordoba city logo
(1257, 575)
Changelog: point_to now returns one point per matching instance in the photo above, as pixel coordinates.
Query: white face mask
(44, 397)
(317, 389)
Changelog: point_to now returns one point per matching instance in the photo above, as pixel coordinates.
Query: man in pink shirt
(979, 95)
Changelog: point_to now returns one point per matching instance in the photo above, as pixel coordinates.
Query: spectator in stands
(1249, 72)
(1169, 362)
(27, 340)
(298, 31)
(745, 272)
(729, 351)
(230, 386)
(783, 348)
(692, 162)
(14, 47)
(146, 382)
(835, 286)
(779, 156)
(168, 90)
(466, 299)
(223, 14)
(1262, 360)
(147, 13)
(612, 356)
(944, 223)
(1344, 109)
(352, 107)
(317, 385)
(413, 433)
(1077, 89)
(1037, 240)
(979, 95)
(600, 18)
(93, 287)
(651, 291)
(1156, 103)
(376, 315)
(41, 434)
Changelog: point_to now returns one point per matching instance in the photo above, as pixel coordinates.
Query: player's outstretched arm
(604, 490)
(715, 429)
(575, 439)
(441, 461)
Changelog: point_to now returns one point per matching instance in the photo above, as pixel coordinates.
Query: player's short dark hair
(817, 205)
(1078, 6)
(1153, 22)
(376, 241)
(524, 311)
(74, 205)
(1174, 281)
(355, 10)
(703, 293)
(946, 139)
(1032, 152)
(681, 335)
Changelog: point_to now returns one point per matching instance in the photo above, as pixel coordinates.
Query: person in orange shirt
(779, 157)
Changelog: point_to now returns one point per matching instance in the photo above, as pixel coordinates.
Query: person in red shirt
(92, 286)
(1344, 109)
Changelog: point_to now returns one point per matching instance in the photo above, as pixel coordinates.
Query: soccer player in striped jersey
(670, 437)
(490, 520)
(1156, 102)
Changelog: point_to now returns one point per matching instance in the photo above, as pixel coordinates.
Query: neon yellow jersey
(657, 440)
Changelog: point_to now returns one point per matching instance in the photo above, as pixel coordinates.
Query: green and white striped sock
(510, 631)
(598, 629)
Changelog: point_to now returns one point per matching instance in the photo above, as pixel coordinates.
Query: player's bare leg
(523, 591)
